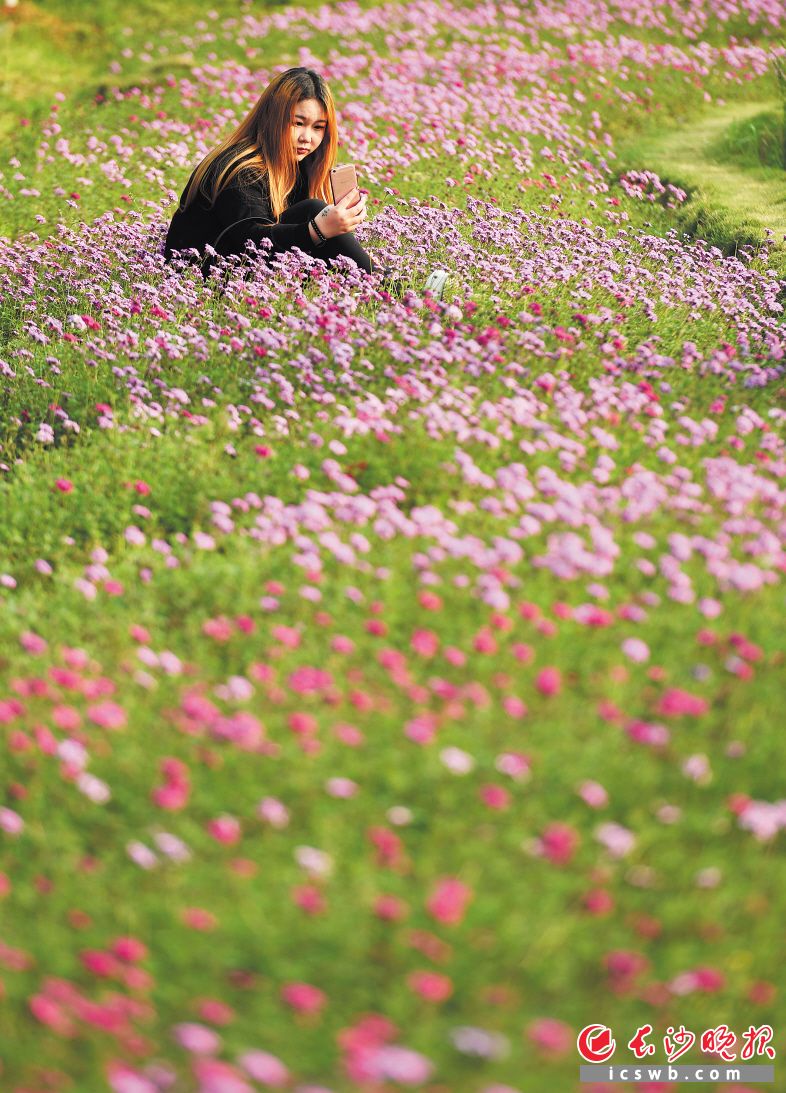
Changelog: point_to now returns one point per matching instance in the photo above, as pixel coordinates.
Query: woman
(270, 179)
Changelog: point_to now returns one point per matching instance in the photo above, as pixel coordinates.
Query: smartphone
(343, 178)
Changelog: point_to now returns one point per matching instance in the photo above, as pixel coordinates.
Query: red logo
(596, 1044)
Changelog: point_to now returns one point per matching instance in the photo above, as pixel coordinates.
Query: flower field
(391, 688)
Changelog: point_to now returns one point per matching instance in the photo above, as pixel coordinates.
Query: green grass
(730, 161)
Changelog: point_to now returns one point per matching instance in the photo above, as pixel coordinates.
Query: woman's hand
(344, 216)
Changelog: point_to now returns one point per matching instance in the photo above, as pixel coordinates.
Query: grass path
(752, 194)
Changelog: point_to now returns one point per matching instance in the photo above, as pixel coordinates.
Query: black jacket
(242, 211)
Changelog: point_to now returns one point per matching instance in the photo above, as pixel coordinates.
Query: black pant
(340, 244)
(346, 243)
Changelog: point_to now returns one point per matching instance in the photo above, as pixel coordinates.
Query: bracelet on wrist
(322, 238)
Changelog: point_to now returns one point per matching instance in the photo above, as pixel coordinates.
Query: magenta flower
(433, 986)
(225, 829)
(129, 949)
(303, 997)
(549, 681)
(551, 1036)
(559, 843)
(448, 902)
(108, 715)
(425, 643)
(678, 703)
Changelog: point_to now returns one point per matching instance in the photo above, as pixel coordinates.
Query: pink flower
(341, 787)
(215, 1011)
(432, 986)
(197, 918)
(484, 641)
(390, 908)
(99, 963)
(496, 797)
(455, 656)
(124, 1079)
(65, 485)
(33, 643)
(388, 845)
(225, 829)
(448, 901)
(550, 1035)
(549, 681)
(709, 980)
(66, 717)
(513, 706)
(264, 1068)
(513, 763)
(307, 680)
(303, 724)
(349, 735)
(303, 997)
(50, 1014)
(217, 1077)
(309, 898)
(11, 822)
(421, 729)
(107, 715)
(636, 650)
(559, 843)
(599, 902)
(174, 770)
(425, 642)
(135, 536)
(593, 794)
(617, 839)
(196, 1038)
(273, 812)
(173, 796)
(656, 736)
(624, 965)
(679, 703)
(399, 1064)
(219, 629)
(287, 635)
(129, 949)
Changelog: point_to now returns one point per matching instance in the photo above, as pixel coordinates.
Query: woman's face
(309, 121)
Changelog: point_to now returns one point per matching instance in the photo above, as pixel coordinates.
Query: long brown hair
(263, 143)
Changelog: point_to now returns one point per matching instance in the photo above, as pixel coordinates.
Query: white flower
(93, 788)
(314, 861)
(141, 855)
(174, 847)
(456, 760)
(273, 812)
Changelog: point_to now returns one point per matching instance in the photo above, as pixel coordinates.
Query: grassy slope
(736, 196)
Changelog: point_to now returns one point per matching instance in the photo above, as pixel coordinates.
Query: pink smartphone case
(342, 180)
